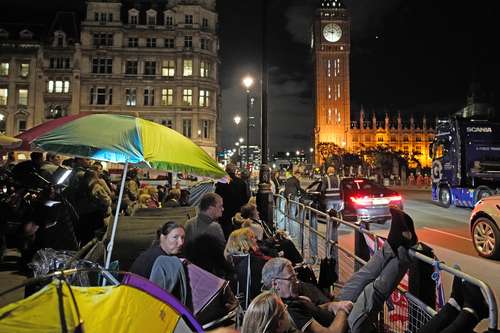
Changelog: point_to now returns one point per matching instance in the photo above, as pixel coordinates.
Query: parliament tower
(331, 47)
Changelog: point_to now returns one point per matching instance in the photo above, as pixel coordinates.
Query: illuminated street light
(236, 144)
(297, 153)
(311, 150)
(248, 83)
(241, 140)
(287, 154)
(237, 119)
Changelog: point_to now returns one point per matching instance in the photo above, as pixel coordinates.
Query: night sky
(411, 56)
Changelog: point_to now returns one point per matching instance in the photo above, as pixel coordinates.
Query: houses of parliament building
(331, 48)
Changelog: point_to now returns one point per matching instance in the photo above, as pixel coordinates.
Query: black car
(363, 200)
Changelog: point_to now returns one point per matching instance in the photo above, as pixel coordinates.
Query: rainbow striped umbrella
(121, 139)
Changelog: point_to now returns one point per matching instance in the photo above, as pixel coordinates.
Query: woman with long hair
(244, 242)
(266, 314)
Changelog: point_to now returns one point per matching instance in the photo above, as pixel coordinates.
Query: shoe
(474, 299)
(402, 232)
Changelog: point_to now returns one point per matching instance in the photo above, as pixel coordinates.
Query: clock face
(332, 32)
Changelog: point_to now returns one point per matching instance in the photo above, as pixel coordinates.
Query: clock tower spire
(331, 47)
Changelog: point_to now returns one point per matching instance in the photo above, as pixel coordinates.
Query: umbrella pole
(117, 213)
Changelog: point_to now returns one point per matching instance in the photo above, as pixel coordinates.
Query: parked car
(484, 226)
(363, 200)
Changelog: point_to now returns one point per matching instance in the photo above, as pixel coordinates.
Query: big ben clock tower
(331, 48)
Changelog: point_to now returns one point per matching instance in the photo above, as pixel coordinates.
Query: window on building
(169, 43)
(150, 68)
(151, 42)
(4, 95)
(167, 96)
(405, 138)
(169, 21)
(59, 62)
(133, 42)
(22, 96)
(102, 65)
(368, 138)
(393, 138)
(187, 97)
(149, 97)
(430, 138)
(110, 17)
(405, 149)
(101, 96)
(134, 19)
(152, 19)
(418, 149)
(167, 122)
(418, 138)
(354, 138)
(205, 129)
(186, 127)
(205, 44)
(131, 96)
(205, 68)
(188, 41)
(4, 69)
(204, 100)
(187, 67)
(168, 68)
(21, 125)
(103, 39)
(131, 67)
(380, 139)
(55, 111)
(24, 70)
(188, 19)
(58, 86)
(103, 18)
(204, 23)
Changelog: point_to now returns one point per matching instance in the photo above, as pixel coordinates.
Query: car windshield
(363, 185)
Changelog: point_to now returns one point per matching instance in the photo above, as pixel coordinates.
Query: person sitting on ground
(170, 242)
(361, 298)
(267, 313)
(465, 308)
(242, 242)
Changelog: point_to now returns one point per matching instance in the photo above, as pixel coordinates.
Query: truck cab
(465, 161)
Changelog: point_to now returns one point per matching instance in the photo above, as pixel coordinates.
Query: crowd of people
(228, 239)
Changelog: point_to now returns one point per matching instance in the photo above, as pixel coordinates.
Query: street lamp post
(247, 83)
(265, 194)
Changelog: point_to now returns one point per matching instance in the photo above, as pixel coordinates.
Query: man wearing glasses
(361, 298)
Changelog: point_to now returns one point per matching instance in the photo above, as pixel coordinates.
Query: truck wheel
(486, 238)
(444, 196)
(483, 192)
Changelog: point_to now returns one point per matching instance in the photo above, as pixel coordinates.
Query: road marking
(447, 233)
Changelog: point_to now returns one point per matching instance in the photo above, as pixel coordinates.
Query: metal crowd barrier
(410, 313)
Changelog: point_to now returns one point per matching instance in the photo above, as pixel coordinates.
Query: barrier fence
(410, 306)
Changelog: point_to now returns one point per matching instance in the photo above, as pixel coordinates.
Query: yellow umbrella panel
(119, 308)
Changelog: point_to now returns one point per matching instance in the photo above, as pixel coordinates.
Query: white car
(484, 224)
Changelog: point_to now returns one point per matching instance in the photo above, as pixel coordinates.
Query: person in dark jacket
(235, 194)
(170, 239)
(292, 186)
